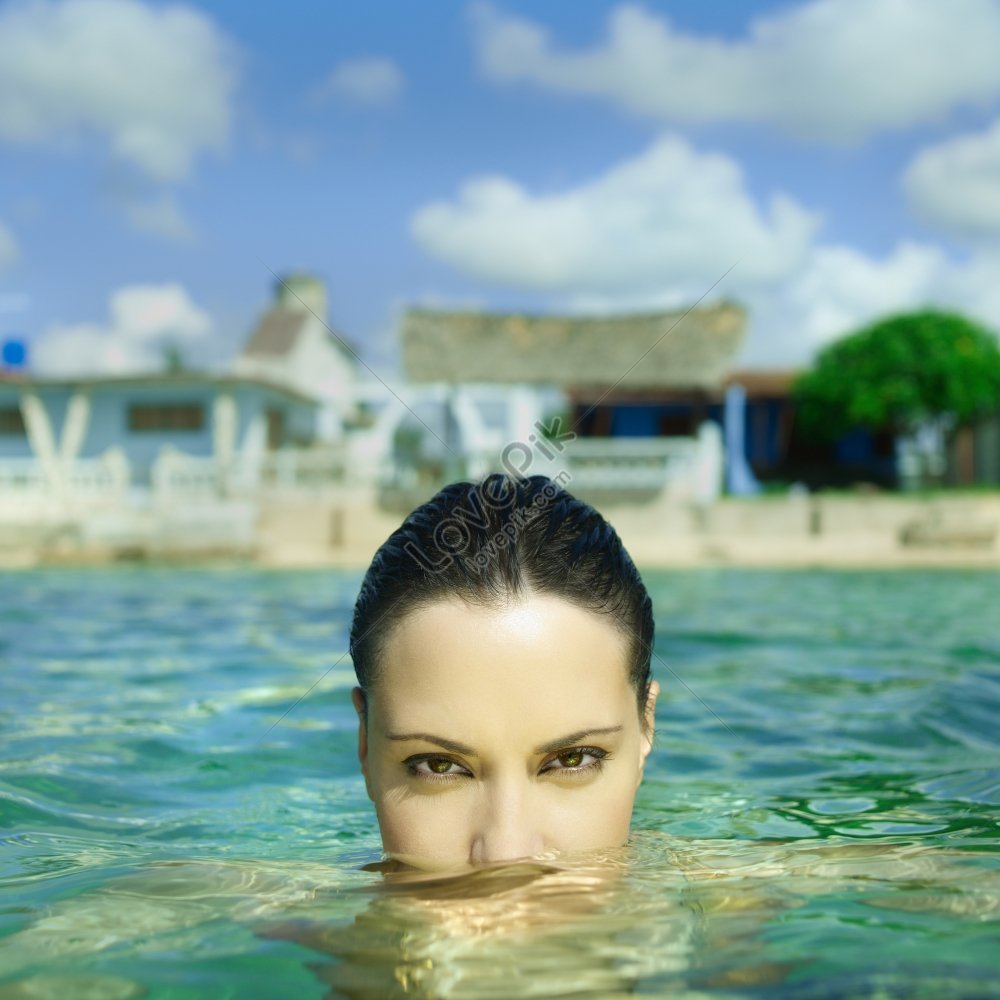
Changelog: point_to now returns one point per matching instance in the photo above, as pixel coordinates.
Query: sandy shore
(875, 531)
(837, 531)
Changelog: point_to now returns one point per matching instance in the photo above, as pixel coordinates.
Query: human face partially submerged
(495, 734)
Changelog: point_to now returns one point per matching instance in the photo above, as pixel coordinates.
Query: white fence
(628, 464)
(619, 466)
(25, 483)
(286, 471)
(22, 477)
(191, 504)
(30, 490)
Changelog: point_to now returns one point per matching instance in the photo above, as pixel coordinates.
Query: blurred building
(182, 461)
(585, 355)
(640, 391)
(974, 453)
(144, 460)
(56, 422)
(293, 345)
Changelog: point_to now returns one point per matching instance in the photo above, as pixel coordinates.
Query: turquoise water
(819, 818)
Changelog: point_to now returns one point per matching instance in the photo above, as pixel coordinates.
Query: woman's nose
(506, 828)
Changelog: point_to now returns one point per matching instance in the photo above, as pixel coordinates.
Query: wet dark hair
(486, 542)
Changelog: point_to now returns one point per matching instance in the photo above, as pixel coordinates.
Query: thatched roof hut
(662, 350)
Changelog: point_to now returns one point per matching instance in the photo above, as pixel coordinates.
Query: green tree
(898, 373)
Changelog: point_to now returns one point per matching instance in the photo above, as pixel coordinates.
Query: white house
(59, 421)
(134, 457)
(294, 346)
(499, 376)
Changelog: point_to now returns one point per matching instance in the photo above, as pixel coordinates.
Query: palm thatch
(689, 350)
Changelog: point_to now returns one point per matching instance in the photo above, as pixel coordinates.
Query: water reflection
(523, 930)
(660, 917)
(678, 918)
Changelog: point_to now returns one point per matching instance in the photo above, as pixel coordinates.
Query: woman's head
(502, 641)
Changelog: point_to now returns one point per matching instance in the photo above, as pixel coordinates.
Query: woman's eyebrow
(455, 747)
(440, 741)
(577, 737)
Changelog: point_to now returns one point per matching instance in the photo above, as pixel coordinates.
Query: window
(166, 417)
(11, 420)
(275, 428)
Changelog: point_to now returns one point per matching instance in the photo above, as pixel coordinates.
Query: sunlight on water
(819, 817)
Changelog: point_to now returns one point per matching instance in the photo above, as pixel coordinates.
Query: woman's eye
(578, 759)
(438, 767)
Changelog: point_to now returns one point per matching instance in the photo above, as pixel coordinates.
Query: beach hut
(294, 345)
(134, 461)
(634, 388)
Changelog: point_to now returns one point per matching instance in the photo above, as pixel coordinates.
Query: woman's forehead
(542, 626)
(458, 657)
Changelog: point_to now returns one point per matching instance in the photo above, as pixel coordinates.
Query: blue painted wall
(763, 444)
(763, 435)
(635, 421)
(109, 409)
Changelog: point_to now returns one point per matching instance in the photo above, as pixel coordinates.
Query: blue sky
(159, 161)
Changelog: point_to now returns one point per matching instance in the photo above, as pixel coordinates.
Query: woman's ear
(649, 719)
(360, 703)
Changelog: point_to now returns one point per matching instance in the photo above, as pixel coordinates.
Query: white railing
(303, 469)
(27, 484)
(605, 464)
(191, 503)
(20, 476)
(608, 465)
(100, 479)
(287, 470)
(629, 463)
(175, 475)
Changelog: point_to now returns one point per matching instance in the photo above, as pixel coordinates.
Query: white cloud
(371, 81)
(669, 219)
(835, 70)
(838, 290)
(657, 231)
(143, 319)
(161, 217)
(8, 247)
(841, 289)
(155, 82)
(956, 184)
